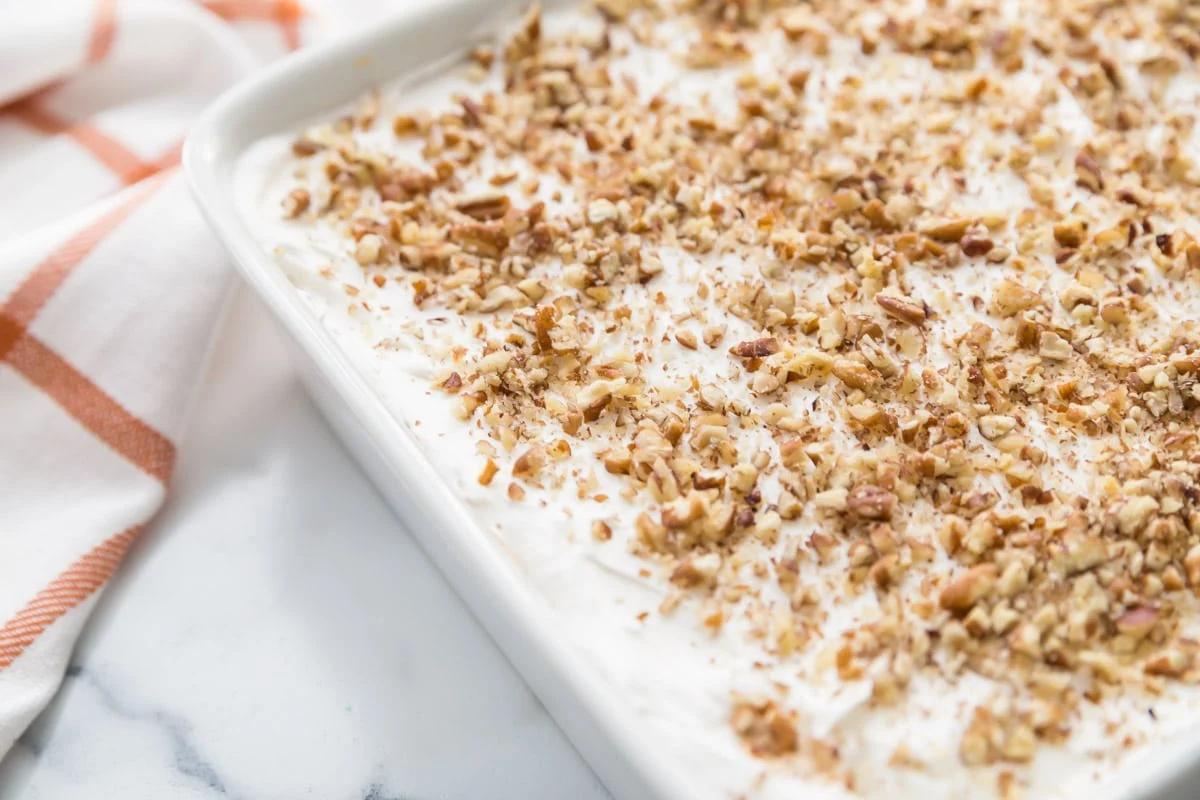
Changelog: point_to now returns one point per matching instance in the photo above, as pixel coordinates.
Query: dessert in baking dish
(829, 368)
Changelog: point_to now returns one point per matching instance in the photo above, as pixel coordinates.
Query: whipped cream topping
(671, 672)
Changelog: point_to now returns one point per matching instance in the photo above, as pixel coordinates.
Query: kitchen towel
(110, 290)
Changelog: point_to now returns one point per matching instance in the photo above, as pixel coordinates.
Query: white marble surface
(277, 634)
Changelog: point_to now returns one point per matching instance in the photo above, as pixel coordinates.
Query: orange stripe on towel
(122, 161)
(107, 419)
(103, 28)
(74, 585)
(92, 407)
(286, 13)
(29, 298)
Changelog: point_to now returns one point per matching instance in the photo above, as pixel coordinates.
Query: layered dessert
(829, 370)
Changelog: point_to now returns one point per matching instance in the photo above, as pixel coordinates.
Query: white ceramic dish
(307, 86)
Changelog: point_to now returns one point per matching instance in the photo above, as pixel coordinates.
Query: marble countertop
(277, 634)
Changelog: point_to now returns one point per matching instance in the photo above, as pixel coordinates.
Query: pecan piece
(1137, 621)
(1088, 174)
(869, 501)
(903, 310)
(306, 147)
(544, 320)
(946, 230)
(696, 571)
(765, 728)
(485, 239)
(756, 348)
(973, 246)
(968, 589)
(484, 207)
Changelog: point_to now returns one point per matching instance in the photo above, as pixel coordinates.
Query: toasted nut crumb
(1053, 347)
(1069, 233)
(1192, 254)
(1135, 513)
(697, 570)
(683, 511)
(1011, 298)
(368, 249)
(870, 502)
(1088, 173)
(764, 727)
(529, 463)
(1138, 621)
(854, 374)
(885, 571)
(993, 426)
(708, 479)
(1170, 663)
(903, 310)
(296, 203)
(601, 531)
(485, 206)
(946, 230)
(601, 211)
(756, 348)
(1191, 563)
(1083, 553)
(973, 246)
(1020, 745)
(404, 125)
(618, 462)
(961, 595)
(832, 499)
(303, 147)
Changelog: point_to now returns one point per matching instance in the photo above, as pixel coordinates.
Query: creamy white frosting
(675, 677)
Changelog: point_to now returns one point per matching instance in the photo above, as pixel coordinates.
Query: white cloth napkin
(110, 290)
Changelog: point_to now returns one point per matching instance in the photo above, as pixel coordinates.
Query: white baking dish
(312, 84)
(300, 88)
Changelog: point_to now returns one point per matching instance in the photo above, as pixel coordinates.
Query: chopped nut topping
(976, 246)
(954, 432)
(948, 230)
(1011, 298)
(764, 727)
(296, 203)
(485, 207)
(968, 589)
(870, 502)
(758, 348)
(489, 471)
(903, 310)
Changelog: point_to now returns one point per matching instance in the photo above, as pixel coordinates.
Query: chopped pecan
(973, 246)
(901, 309)
(303, 147)
(869, 501)
(756, 348)
(961, 595)
(1088, 173)
(484, 207)
(483, 238)
(946, 230)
